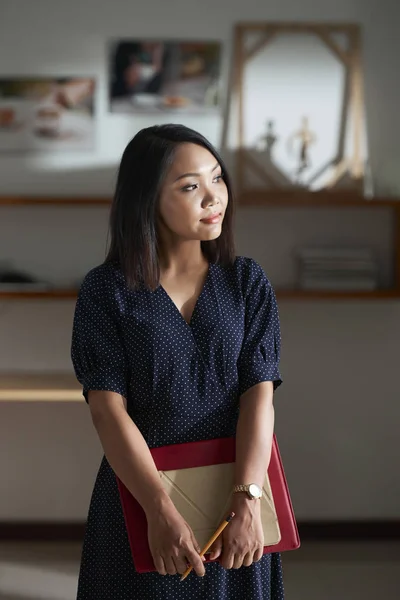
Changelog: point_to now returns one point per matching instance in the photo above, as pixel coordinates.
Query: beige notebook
(203, 495)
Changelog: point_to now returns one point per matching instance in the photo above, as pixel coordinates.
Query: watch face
(255, 491)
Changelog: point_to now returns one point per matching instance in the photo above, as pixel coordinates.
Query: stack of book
(336, 268)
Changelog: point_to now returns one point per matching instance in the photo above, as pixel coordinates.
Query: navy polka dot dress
(182, 383)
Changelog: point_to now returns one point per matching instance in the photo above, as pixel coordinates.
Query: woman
(175, 340)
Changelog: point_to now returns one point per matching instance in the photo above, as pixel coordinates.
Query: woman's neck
(182, 258)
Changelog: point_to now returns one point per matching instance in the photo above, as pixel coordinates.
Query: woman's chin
(212, 235)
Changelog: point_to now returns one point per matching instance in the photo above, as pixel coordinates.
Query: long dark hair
(144, 165)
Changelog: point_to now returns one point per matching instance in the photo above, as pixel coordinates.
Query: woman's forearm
(254, 434)
(127, 451)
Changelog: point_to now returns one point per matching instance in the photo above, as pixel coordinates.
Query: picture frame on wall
(47, 114)
(164, 76)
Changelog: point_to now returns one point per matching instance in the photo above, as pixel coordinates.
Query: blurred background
(302, 99)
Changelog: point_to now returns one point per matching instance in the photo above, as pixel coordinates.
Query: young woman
(175, 340)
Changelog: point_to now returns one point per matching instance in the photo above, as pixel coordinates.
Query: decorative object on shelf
(159, 76)
(46, 114)
(268, 140)
(13, 280)
(290, 74)
(336, 268)
(306, 138)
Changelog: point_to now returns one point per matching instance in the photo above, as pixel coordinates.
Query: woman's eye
(189, 188)
(218, 178)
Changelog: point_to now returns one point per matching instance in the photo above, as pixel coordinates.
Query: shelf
(294, 199)
(41, 387)
(54, 294)
(249, 198)
(283, 294)
(53, 201)
(294, 294)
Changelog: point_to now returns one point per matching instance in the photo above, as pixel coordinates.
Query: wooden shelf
(295, 199)
(294, 294)
(249, 198)
(54, 294)
(284, 294)
(53, 201)
(39, 387)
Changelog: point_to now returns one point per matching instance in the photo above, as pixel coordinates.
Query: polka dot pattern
(182, 382)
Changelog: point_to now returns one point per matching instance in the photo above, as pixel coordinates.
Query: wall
(338, 411)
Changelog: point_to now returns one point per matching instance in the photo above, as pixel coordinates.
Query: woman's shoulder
(246, 272)
(102, 280)
(248, 269)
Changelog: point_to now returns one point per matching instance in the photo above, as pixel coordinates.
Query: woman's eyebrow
(194, 174)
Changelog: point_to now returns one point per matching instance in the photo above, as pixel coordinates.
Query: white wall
(338, 411)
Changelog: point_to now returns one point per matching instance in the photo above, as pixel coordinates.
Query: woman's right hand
(172, 543)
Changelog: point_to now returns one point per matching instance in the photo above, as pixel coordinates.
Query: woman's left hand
(242, 541)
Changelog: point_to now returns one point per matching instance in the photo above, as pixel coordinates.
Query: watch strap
(241, 488)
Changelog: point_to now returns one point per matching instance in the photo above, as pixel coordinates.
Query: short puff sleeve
(260, 352)
(97, 351)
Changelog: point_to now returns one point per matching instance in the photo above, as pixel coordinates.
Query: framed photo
(155, 76)
(38, 113)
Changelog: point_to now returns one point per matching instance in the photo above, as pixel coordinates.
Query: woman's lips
(212, 220)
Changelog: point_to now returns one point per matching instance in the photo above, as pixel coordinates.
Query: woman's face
(194, 196)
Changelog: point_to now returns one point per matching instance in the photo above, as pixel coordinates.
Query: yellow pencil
(211, 541)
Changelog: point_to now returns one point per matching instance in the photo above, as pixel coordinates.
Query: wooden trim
(41, 532)
(323, 199)
(255, 196)
(39, 387)
(308, 530)
(333, 47)
(339, 171)
(53, 201)
(349, 530)
(397, 247)
(282, 293)
(39, 294)
(356, 108)
(299, 294)
(306, 26)
(260, 45)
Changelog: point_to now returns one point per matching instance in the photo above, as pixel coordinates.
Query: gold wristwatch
(252, 490)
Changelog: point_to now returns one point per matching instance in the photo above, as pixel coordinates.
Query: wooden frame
(353, 97)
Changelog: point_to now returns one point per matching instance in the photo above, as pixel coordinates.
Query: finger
(216, 549)
(180, 564)
(258, 554)
(196, 562)
(169, 565)
(237, 561)
(248, 559)
(227, 559)
(195, 544)
(197, 547)
(159, 565)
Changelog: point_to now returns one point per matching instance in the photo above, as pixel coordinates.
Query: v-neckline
(189, 323)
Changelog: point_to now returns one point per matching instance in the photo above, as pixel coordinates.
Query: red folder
(205, 453)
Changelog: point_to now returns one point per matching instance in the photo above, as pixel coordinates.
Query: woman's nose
(210, 199)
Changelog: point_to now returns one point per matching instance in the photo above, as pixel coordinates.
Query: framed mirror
(296, 118)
